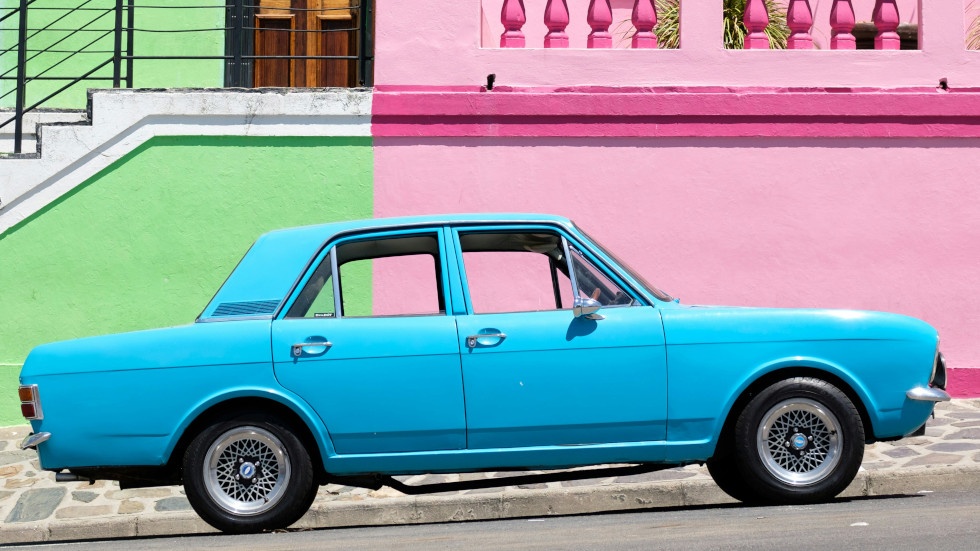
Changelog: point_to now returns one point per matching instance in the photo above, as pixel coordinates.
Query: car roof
(271, 266)
(334, 228)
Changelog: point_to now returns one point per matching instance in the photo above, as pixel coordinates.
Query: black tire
(724, 471)
(800, 440)
(248, 473)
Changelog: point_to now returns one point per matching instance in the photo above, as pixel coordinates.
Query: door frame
(239, 66)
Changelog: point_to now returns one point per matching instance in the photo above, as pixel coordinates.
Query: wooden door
(302, 28)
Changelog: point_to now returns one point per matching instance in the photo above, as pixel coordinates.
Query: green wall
(206, 39)
(147, 242)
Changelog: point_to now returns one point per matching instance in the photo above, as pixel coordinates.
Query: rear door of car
(374, 350)
(534, 374)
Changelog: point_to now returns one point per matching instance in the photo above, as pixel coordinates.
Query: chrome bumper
(34, 439)
(927, 395)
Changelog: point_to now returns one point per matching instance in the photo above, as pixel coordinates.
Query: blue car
(355, 351)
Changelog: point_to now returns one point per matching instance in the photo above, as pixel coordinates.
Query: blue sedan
(354, 351)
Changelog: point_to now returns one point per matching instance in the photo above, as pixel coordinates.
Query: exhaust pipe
(69, 477)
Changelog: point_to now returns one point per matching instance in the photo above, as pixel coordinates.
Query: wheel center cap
(798, 441)
(247, 469)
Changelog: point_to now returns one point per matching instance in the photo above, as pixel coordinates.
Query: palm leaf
(973, 35)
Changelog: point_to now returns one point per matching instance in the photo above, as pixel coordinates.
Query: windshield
(626, 267)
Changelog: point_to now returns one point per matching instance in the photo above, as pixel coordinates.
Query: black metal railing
(112, 27)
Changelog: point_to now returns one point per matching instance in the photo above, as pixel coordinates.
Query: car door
(536, 375)
(366, 340)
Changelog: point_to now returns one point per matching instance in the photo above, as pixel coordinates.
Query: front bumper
(927, 394)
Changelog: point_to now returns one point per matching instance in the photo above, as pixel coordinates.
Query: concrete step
(31, 122)
(72, 151)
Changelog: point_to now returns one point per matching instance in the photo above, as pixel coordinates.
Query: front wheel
(800, 440)
(248, 474)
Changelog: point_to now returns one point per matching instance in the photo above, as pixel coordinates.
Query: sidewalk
(35, 508)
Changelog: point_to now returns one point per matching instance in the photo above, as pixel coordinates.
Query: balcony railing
(645, 22)
(259, 42)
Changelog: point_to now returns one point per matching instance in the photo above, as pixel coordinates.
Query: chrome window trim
(638, 293)
(334, 282)
(571, 268)
(435, 225)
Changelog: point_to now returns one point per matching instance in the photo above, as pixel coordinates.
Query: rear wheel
(248, 474)
(799, 441)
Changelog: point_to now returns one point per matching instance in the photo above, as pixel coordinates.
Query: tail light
(30, 402)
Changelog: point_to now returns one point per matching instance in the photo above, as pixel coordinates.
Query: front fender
(867, 400)
(705, 381)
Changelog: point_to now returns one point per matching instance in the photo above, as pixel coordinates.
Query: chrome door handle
(471, 341)
(298, 348)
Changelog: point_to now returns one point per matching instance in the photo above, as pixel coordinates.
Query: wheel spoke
(798, 441)
(240, 456)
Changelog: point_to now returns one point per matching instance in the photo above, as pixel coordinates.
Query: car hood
(729, 324)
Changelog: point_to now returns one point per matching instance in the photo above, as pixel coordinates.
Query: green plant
(777, 31)
(668, 24)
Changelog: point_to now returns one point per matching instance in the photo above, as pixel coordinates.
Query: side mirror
(586, 307)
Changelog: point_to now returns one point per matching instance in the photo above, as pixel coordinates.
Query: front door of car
(373, 350)
(535, 375)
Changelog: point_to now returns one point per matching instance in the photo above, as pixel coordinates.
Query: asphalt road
(946, 520)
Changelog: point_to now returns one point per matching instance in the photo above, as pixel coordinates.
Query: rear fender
(288, 399)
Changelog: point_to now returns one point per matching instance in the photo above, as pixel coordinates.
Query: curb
(499, 505)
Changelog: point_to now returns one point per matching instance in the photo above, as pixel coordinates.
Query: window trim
(330, 247)
(568, 240)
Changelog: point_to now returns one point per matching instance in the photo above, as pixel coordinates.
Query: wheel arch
(779, 371)
(310, 430)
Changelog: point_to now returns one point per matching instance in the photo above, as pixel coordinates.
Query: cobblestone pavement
(30, 498)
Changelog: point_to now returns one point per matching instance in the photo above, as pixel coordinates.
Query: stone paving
(29, 496)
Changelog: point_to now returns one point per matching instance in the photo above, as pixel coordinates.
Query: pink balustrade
(644, 19)
(556, 19)
(799, 19)
(600, 18)
(513, 17)
(756, 19)
(885, 17)
(842, 23)
(607, 24)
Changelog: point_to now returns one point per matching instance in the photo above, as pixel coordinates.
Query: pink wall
(775, 178)
(843, 223)
(438, 44)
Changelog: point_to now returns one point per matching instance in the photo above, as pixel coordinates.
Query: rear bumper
(927, 394)
(33, 440)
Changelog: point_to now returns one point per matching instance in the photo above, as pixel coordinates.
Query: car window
(394, 276)
(515, 272)
(316, 300)
(593, 283)
(399, 286)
